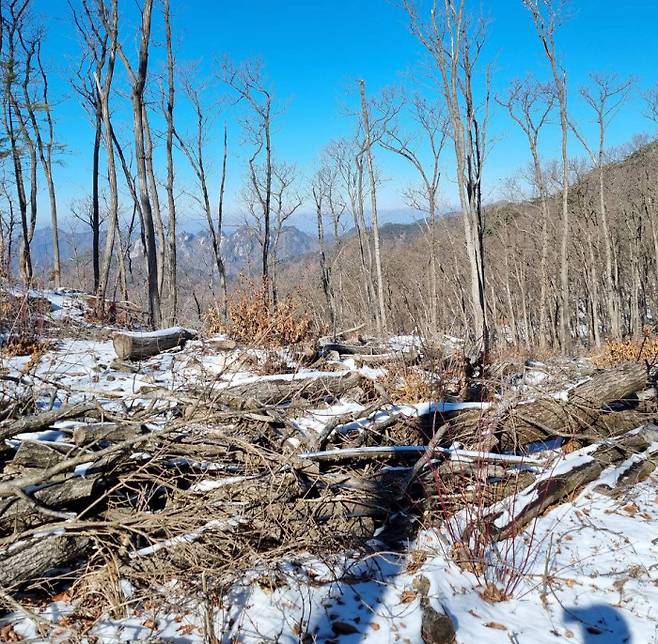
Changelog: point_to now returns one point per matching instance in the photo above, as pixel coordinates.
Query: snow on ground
(585, 572)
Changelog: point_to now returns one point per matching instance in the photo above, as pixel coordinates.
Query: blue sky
(315, 50)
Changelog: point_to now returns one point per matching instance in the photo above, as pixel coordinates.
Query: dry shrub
(616, 352)
(406, 383)
(117, 314)
(273, 365)
(22, 319)
(254, 320)
(431, 380)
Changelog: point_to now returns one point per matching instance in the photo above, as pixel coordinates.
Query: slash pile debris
(206, 478)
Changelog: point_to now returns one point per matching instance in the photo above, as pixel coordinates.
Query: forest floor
(175, 543)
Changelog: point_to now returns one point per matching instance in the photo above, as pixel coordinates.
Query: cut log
(31, 561)
(41, 455)
(18, 513)
(45, 419)
(106, 432)
(137, 345)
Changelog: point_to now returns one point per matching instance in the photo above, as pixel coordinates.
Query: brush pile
(205, 476)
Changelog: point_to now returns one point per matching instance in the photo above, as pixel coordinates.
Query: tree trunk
(373, 204)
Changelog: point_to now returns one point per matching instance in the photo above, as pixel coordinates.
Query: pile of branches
(209, 486)
(226, 477)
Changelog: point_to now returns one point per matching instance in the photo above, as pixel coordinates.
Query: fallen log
(31, 561)
(257, 394)
(221, 344)
(135, 345)
(18, 513)
(401, 450)
(634, 469)
(584, 408)
(355, 349)
(579, 408)
(40, 455)
(579, 468)
(372, 360)
(106, 432)
(45, 419)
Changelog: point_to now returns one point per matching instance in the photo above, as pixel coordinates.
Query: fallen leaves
(493, 594)
(631, 508)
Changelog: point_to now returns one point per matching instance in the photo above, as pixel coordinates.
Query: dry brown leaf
(8, 634)
(496, 625)
(407, 596)
(631, 508)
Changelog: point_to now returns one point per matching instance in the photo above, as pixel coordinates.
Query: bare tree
(16, 128)
(529, 104)
(605, 99)
(194, 150)
(137, 76)
(547, 16)
(103, 88)
(32, 49)
(651, 103)
(367, 150)
(168, 109)
(92, 63)
(455, 45)
(284, 203)
(247, 82)
(414, 147)
(347, 156)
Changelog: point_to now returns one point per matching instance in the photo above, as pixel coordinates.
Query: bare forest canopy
(570, 259)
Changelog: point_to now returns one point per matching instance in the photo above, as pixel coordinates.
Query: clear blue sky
(314, 50)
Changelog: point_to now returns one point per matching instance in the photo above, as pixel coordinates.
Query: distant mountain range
(240, 248)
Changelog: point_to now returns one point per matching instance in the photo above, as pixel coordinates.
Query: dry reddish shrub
(616, 352)
(430, 380)
(254, 320)
(22, 319)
